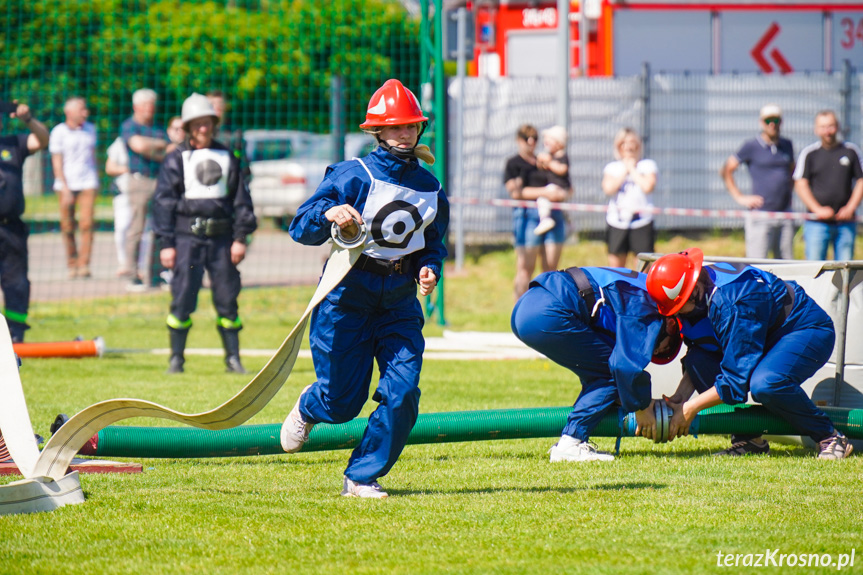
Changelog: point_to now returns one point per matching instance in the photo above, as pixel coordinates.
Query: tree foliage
(274, 60)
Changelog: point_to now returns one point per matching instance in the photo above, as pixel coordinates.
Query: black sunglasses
(772, 120)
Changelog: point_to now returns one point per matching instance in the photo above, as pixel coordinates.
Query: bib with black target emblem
(396, 218)
(206, 173)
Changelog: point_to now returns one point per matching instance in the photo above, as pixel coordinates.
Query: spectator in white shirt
(117, 166)
(73, 156)
(628, 182)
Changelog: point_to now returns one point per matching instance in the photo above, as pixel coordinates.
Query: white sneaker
(371, 490)
(295, 430)
(835, 447)
(570, 449)
(544, 225)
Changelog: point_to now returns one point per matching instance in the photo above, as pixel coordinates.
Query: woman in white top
(628, 182)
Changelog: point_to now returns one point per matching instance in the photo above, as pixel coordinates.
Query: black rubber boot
(231, 343)
(16, 330)
(59, 422)
(178, 346)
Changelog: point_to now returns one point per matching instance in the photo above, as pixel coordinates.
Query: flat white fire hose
(33, 493)
(46, 484)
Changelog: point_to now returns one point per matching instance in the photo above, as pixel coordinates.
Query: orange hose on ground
(91, 348)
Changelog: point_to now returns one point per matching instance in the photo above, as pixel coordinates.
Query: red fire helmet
(672, 278)
(393, 105)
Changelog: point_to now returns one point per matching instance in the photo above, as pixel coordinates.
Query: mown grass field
(489, 507)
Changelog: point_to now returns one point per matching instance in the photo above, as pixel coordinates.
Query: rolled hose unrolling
(182, 442)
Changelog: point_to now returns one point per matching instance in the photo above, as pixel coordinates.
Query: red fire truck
(517, 38)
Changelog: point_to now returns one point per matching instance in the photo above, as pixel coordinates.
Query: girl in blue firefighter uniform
(601, 324)
(373, 315)
(701, 365)
(772, 335)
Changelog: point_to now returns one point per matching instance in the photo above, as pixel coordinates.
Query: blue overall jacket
(626, 318)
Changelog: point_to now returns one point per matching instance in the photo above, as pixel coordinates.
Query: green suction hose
(183, 442)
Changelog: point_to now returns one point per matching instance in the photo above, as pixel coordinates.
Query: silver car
(288, 165)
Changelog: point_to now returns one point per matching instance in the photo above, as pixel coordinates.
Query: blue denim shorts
(524, 220)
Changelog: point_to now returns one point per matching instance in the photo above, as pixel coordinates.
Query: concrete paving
(273, 259)
(468, 346)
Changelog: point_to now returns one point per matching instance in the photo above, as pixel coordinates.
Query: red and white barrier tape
(692, 212)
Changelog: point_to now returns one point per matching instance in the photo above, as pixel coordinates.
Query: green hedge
(274, 60)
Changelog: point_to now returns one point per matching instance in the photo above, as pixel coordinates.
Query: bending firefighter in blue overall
(202, 213)
(701, 365)
(373, 314)
(772, 335)
(601, 324)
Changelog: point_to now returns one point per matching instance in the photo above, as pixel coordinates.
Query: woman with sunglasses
(524, 181)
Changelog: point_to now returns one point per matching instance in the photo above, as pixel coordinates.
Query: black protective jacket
(203, 183)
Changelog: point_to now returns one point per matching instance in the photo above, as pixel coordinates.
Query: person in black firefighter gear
(14, 149)
(202, 214)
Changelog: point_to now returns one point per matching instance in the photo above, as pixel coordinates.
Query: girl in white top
(628, 182)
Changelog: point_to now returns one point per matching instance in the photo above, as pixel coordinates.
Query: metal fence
(276, 63)
(690, 125)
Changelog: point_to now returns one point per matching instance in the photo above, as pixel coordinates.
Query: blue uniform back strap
(785, 311)
(585, 290)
